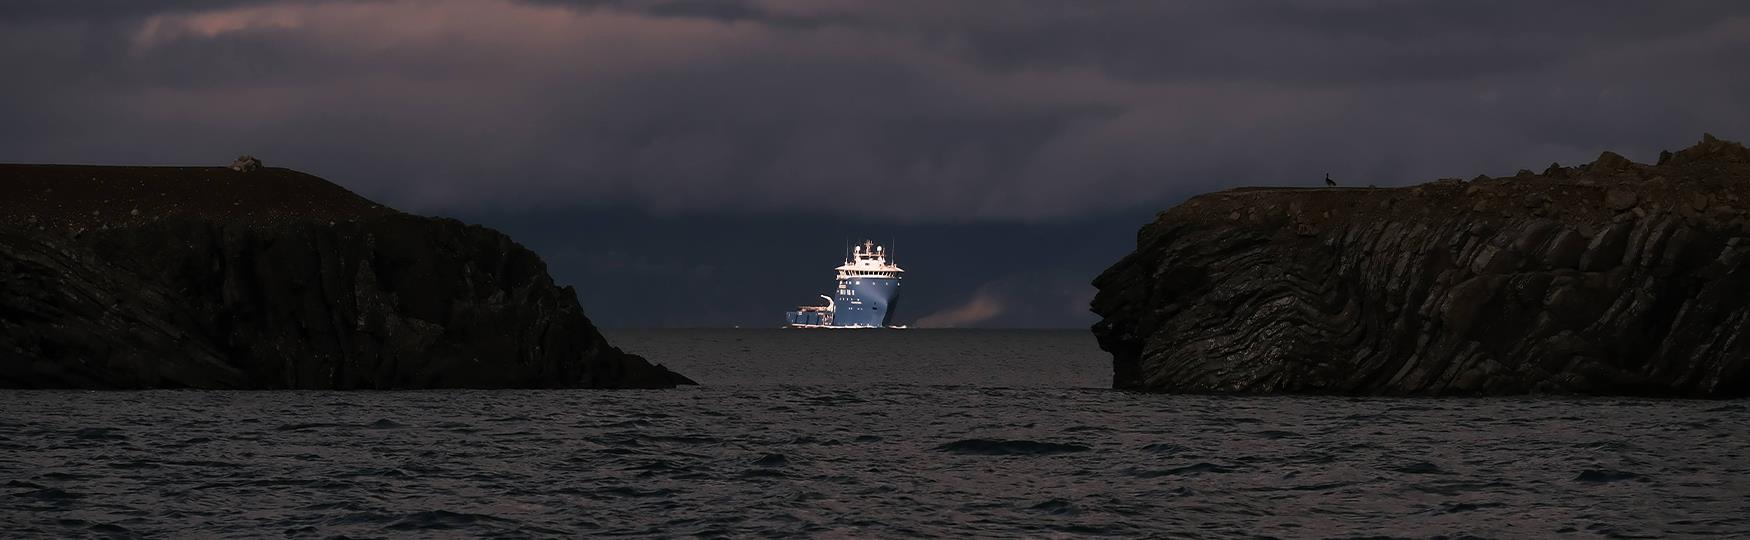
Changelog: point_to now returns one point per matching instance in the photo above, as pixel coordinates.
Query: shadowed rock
(148, 277)
(1610, 278)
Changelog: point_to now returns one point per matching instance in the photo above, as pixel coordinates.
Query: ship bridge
(869, 260)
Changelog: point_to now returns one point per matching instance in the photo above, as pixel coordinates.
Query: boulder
(246, 164)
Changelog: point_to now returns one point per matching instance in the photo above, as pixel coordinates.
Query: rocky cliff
(1608, 278)
(152, 277)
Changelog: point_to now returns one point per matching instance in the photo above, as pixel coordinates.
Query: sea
(866, 434)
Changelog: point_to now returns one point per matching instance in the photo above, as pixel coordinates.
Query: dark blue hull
(865, 301)
(859, 302)
(806, 318)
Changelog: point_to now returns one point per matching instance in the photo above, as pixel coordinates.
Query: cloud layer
(911, 110)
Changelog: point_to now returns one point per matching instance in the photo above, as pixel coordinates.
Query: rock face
(124, 277)
(1608, 278)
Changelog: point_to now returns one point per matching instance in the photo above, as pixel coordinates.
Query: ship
(867, 294)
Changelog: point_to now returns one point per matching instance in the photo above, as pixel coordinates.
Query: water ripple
(770, 447)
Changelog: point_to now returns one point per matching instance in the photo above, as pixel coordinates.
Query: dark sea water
(866, 434)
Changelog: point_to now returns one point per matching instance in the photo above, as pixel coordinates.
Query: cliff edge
(209, 277)
(1608, 278)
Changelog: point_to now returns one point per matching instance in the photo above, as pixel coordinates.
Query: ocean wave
(1001, 447)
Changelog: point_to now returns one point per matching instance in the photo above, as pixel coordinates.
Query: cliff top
(73, 197)
(1707, 179)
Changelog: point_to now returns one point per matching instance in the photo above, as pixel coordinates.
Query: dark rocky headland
(1612, 277)
(256, 277)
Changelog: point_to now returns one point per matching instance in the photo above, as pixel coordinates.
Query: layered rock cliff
(1608, 278)
(151, 277)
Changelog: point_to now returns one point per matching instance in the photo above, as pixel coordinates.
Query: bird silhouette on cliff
(1329, 182)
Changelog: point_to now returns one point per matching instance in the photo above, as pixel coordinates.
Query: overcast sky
(631, 141)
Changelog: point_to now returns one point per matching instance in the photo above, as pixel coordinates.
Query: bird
(1329, 182)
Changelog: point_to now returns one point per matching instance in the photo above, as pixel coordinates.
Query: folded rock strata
(1609, 278)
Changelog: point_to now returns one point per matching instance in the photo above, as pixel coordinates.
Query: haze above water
(887, 433)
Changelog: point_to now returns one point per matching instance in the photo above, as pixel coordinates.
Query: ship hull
(865, 302)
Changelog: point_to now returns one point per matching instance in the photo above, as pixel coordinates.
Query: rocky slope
(1608, 278)
(152, 277)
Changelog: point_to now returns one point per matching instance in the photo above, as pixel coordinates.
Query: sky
(689, 163)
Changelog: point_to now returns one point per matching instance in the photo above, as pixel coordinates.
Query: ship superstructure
(867, 293)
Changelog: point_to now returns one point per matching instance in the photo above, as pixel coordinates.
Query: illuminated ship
(868, 292)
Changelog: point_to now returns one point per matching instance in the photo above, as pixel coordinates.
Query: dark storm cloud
(97, 10)
(715, 154)
(1333, 42)
(948, 110)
